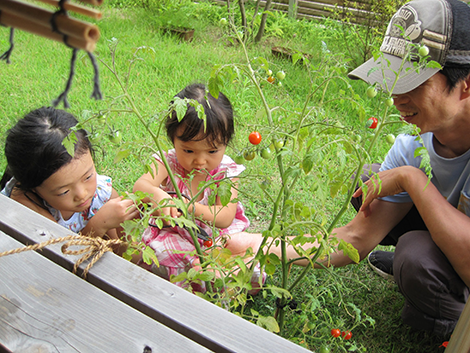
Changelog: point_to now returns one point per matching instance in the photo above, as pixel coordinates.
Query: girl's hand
(116, 211)
(386, 183)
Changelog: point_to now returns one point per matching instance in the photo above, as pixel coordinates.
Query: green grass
(38, 73)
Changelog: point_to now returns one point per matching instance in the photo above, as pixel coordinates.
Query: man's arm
(449, 227)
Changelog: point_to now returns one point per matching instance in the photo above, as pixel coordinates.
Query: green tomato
(269, 73)
(94, 138)
(280, 75)
(239, 159)
(101, 119)
(371, 92)
(266, 153)
(223, 21)
(249, 155)
(279, 144)
(324, 349)
(423, 51)
(115, 137)
(390, 138)
(265, 184)
(279, 84)
(389, 102)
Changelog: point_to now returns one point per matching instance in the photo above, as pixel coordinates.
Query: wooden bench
(120, 307)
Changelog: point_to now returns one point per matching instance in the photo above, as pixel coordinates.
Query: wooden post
(460, 340)
(293, 8)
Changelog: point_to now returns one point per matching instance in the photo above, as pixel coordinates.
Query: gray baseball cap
(442, 25)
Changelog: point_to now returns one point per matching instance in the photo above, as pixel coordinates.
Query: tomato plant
(254, 138)
(372, 123)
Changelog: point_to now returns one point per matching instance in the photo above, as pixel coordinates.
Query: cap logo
(395, 41)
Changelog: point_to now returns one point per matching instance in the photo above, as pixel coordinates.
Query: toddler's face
(198, 155)
(72, 187)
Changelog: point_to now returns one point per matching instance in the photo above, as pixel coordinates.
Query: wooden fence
(359, 11)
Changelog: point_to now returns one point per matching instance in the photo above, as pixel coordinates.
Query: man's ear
(466, 88)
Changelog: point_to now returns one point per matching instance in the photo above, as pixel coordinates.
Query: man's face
(431, 106)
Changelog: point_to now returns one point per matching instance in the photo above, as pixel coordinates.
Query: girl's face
(72, 187)
(198, 155)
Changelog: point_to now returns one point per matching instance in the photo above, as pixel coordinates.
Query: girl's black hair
(219, 118)
(34, 149)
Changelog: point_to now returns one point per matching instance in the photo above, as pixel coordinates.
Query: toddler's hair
(219, 118)
(34, 149)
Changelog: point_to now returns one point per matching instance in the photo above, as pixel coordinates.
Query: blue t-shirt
(449, 175)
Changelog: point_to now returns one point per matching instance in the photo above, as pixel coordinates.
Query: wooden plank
(460, 340)
(45, 308)
(195, 318)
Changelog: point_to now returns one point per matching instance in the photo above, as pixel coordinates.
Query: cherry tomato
(208, 243)
(279, 144)
(444, 344)
(372, 123)
(271, 79)
(335, 332)
(390, 138)
(254, 138)
(266, 153)
(239, 159)
(423, 51)
(324, 349)
(280, 75)
(115, 137)
(223, 21)
(249, 155)
(389, 102)
(371, 92)
(101, 119)
(347, 335)
(269, 73)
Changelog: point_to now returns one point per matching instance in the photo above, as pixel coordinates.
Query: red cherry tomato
(372, 123)
(254, 138)
(208, 243)
(346, 335)
(335, 332)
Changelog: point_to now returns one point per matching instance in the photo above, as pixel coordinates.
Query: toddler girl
(43, 176)
(198, 156)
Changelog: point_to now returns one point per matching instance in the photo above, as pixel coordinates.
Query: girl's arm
(151, 185)
(224, 215)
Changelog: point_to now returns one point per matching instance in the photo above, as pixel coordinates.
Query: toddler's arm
(151, 185)
(220, 216)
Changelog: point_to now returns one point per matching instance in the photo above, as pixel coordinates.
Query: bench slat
(45, 308)
(193, 317)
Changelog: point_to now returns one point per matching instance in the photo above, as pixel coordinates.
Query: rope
(63, 95)
(6, 55)
(94, 248)
(96, 79)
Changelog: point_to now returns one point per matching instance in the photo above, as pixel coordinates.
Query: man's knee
(435, 295)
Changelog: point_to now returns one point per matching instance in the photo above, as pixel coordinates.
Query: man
(428, 223)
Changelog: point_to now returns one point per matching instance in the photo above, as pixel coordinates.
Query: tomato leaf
(349, 250)
(268, 322)
(69, 143)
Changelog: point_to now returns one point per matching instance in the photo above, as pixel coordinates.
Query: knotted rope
(94, 248)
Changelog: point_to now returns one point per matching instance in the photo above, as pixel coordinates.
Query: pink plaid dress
(173, 245)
